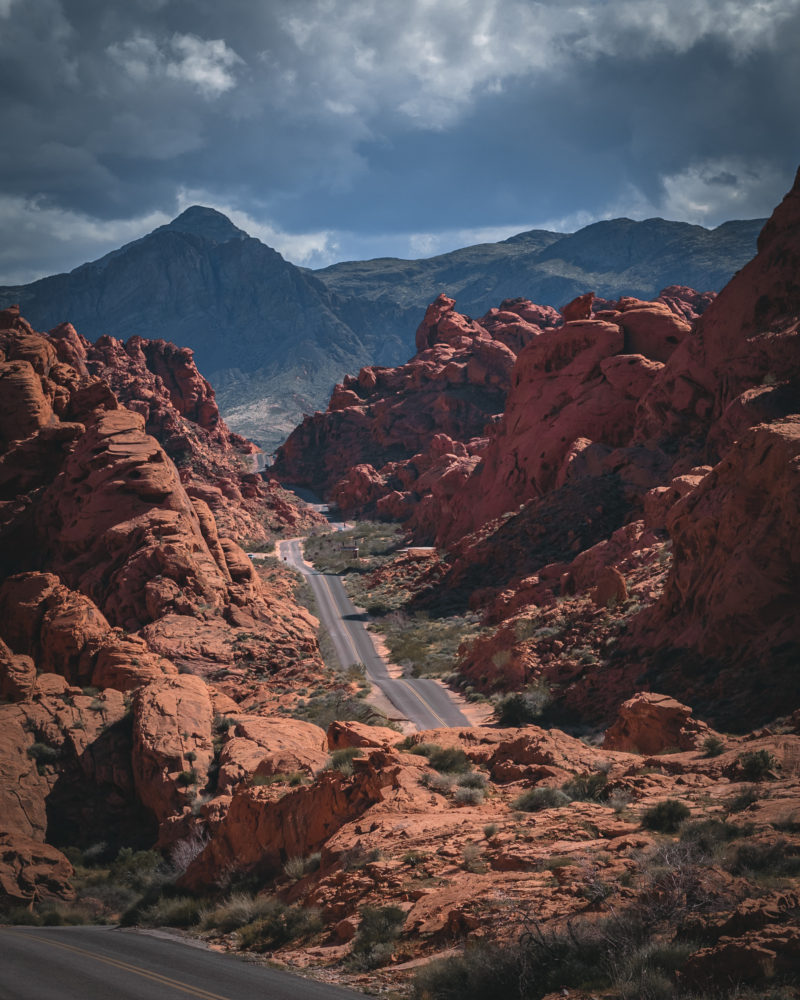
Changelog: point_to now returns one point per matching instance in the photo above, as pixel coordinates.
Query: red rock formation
(98, 538)
(651, 723)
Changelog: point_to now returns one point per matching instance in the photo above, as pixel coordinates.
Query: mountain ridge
(274, 338)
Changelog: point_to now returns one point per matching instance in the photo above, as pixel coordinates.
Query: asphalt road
(422, 701)
(104, 963)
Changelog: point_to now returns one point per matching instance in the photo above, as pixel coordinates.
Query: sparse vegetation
(666, 816)
(374, 941)
(536, 799)
(523, 707)
(278, 925)
(713, 746)
(591, 786)
(757, 765)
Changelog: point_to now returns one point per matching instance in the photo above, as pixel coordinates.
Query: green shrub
(538, 964)
(490, 830)
(521, 708)
(278, 925)
(342, 760)
(297, 867)
(536, 799)
(666, 816)
(708, 835)
(187, 778)
(379, 928)
(743, 800)
(778, 858)
(177, 911)
(588, 787)
(713, 746)
(451, 760)
(240, 909)
(471, 779)
(441, 783)
(469, 796)
(756, 765)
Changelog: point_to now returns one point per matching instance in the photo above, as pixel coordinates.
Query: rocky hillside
(634, 435)
(129, 614)
(273, 338)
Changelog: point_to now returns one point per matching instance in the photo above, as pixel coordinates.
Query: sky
(351, 129)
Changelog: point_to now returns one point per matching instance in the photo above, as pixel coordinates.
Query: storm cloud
(338, 129)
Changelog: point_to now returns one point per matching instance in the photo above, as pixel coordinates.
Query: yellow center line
(117, 963)
(427, 704)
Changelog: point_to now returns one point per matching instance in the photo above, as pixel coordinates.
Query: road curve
(98, 963)
(422, 701)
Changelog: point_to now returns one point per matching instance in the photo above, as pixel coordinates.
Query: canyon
(610, 488)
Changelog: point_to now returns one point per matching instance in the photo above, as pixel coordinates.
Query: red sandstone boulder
(579, 308)
(650, 723)
(269, 747)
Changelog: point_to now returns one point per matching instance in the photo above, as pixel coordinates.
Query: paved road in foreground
(423, 702)
(104, 963)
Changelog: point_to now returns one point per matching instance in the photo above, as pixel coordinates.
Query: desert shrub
(342, 760)
(708, 835)
(43, 754)
(278, 925)
(587, 787)
(521, 708)
(186, 778)
(538, 964)
(536, 799)
(357, 858)
(778, 858)
(176, 911)
(441, 783)
(379, 928)
(334, 706)
(666, 816)
(297, 867)
(237, 911)
(756, 765)
(138, 869)
(713, 746)
(414, 858)
(471, 779)
(472, 858)
(451, 760)
(468, 796)
(743, 800)
(490, 830)
(619, 799)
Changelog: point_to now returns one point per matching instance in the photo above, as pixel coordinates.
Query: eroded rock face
(732, 595)
(101, 540)
(651, 723)
(261, 835)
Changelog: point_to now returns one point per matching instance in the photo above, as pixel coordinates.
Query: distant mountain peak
(207, 223)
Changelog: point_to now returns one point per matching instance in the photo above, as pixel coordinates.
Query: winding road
(98, 963)
(424, 702)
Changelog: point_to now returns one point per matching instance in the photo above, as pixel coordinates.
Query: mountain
(613, 258)
(262, 328)
(273, 338)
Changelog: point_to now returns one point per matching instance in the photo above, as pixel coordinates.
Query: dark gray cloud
(350, 128)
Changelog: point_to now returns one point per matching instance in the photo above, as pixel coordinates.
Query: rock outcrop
(117, 569)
